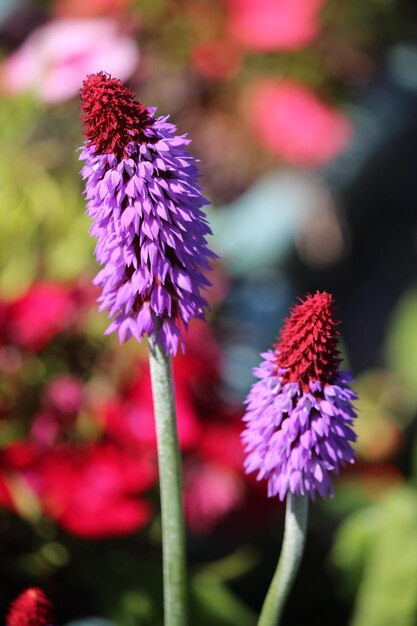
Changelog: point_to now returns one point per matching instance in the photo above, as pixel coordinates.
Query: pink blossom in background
(64, 394)
(42, 312)
(210, 492)
(6, 498)
(218, 59)
(92, 490)
(55, 58)
(129, 418)
(222, 444)
(17, 461)
(45, 429)
(62, 400)
(265, 25)
(291, 122)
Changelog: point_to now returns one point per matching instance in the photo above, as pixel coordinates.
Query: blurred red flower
(266, 25)
(91, 490)
(291, 122)
(31, 608)
(218, 59)
(40, 314)
(129, 418)
(211, 491)
(6, 497)
(64, 395)
(62, 400)
(18, 462)
(222, 444)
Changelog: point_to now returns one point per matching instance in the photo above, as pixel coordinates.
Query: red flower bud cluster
(307, 344)
(31, 608)
(112, 116)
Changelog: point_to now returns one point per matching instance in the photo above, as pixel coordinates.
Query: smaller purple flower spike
(145, 204)
(299, 413)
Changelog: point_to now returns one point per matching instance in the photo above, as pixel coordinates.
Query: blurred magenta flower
(45, 429)
(211, 491)
(55, 58)
(31, 608)
(221, 442)
(217, 59)
(61, 402)
(128, 415)
(45, 310)
(92, 490)
(291, 122)
(266, 25)
(64, 395)
(129, 418)
(6, 496)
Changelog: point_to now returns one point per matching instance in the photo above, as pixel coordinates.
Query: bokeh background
(303, 114)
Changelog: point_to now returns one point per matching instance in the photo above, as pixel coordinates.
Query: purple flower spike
(299, 414)
(143, 198)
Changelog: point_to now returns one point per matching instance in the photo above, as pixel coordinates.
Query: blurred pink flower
(6, 497)
(37, 316)
(61, 402)
(130, 418)
(222, 444)
(17, 461)
(210, 492)
(273, 24)
(45, 429)
(55, 58)
(91, 490)
(64, 395)
(218, 59)
(291, 122)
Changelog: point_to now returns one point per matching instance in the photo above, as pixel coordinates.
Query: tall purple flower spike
(299, 413)
(145, 203)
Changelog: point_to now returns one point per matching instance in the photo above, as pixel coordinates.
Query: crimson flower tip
(111, 115)
(307, 345)
(31, 608)
(299, 413)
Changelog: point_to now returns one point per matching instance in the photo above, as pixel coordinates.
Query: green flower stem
(169, 462)
(289, 560)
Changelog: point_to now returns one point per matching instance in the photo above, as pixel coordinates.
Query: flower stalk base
(169, 462)
(289, 561)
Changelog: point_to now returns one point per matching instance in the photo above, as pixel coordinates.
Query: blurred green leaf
(232, 566)
(352, 544)
(402, 343)
(213, 604)
(380, 407)
(43, 225)
(378, 547)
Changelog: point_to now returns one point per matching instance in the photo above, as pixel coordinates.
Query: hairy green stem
(169, 462)
(289, 560)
